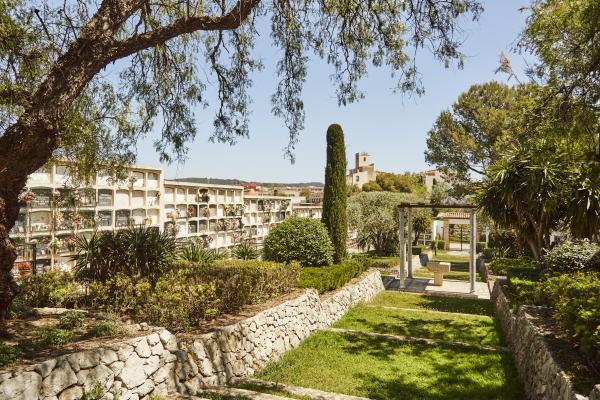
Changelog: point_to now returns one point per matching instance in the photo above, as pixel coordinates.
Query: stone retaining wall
(160, 363)
(542, 377)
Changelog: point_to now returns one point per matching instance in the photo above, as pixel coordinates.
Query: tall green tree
(375, 218)
(157, 57)
(464, 140)
(565, 37)
(334, 196)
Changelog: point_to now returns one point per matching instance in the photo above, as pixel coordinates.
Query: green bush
(334, 276)
(246, 251)
(50, 289)
(575, 301)
(176, 302)
(522, 291)
(192, 293)
(71, 320)
(52, 337)
(417, 250)
(103, 327)
(9, 354)
(529, 272)
(241, 282)
(570, 257)
(500, 265)
(304, 240)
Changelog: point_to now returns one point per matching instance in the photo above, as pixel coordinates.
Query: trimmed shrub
(304, 240)
(71, 320)
(241, 282)
(334, 276)
(192, 293)
(570, 257)
(417, 250)
(575, 299)
(529, 272)
(176, 302)
(500, 265)
(334, 195)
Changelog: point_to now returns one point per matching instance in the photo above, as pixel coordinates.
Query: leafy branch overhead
(59, 63)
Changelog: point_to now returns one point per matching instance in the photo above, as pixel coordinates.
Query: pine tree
(334, 197)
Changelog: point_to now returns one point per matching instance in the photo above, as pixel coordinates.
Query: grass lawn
(478, 329)
(436, 303)
(380, 368)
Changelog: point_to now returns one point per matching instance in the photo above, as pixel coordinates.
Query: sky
(392, 127)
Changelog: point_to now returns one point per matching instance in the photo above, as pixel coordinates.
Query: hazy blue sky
(392, 127)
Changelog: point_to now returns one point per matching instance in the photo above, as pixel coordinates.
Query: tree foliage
(375, 217)
(334, 195)
(396, 183)
(87, 79)
(565, 36)
(464, 140)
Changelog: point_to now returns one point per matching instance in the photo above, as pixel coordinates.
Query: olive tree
(86, 79)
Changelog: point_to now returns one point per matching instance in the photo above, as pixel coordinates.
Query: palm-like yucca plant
(149, 252)
(138, 252)
(195, 253)
(245, 251)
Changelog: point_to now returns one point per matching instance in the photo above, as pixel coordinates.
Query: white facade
(54, 211)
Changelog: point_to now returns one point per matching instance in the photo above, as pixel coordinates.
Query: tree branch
(232, 20)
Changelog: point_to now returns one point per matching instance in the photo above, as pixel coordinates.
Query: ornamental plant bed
(42, 336)
(582, 372)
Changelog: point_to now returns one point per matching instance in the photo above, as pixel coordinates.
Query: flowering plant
(27, 197)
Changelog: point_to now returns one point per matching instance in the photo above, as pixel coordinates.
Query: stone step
(233, 392)
(411, 339)
(302, 391)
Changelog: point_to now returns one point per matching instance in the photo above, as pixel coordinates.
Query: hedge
(500, 265)
(335, 276)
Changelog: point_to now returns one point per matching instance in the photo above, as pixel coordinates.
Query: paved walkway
(450, 287)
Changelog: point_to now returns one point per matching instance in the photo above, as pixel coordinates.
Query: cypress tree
(334, 196)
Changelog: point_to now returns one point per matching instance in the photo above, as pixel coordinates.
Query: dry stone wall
(161, 364)
(542, 377)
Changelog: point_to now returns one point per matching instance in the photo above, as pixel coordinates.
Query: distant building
(315, 195)
(430, 178)
(363, 171)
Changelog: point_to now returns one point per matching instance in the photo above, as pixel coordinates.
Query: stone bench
(438, 268)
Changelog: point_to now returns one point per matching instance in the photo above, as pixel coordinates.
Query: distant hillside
(220, 181)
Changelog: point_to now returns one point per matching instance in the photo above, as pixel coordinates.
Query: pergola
(472, 246)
